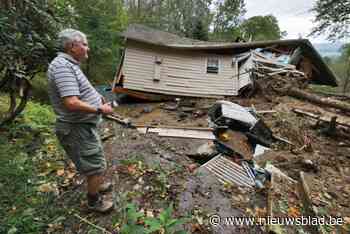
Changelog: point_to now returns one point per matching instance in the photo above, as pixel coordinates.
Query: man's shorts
(83, 146)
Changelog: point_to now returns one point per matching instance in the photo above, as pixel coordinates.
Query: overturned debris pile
(228, 154)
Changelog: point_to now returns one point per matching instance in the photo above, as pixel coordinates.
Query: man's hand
(73, 103)
(106, 109)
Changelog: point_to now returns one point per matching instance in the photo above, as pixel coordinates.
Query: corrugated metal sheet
(227, 171)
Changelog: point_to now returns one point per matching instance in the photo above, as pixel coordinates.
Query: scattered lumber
(321, 118)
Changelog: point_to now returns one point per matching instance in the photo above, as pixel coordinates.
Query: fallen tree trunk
(298, 93)
(289, 87)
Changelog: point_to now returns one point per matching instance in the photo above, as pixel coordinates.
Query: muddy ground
(152, 171)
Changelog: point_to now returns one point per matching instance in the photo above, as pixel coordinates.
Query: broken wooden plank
(307, 202)
(266, 111)
(272, 169)
(142, 130)
(106, 137)
(123, 121)
(283, 140)
(270, 201)
(318, 117)
(154, 130)
(184, 133)
(173, 127)
(262, 59)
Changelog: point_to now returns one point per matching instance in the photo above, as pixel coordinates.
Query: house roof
(144, 34)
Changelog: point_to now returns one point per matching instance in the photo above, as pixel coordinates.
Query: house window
(213, 65)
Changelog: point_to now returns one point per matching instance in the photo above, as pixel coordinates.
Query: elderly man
(78, 107)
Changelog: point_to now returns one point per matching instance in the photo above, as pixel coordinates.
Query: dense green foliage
(102, 21)
(332, 18)
(260, 28)
(341, 66)
(28, 29)
(26, 148)
(227, 19)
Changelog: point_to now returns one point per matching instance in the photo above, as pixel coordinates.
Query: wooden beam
(318, 117)
(172, 127)
(143, 95)
(182, 133)
(304, 191)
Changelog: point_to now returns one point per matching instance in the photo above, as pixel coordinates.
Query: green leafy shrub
(165, 223)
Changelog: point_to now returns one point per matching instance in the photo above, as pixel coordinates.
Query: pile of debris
(235, 136)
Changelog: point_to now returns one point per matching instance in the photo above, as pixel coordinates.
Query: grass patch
(325, 89)
(26, 147)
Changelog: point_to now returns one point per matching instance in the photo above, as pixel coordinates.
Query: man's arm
(73, 103)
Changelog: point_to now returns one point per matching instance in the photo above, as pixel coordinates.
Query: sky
(293, 16)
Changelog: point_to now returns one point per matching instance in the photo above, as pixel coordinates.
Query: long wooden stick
(91, 224)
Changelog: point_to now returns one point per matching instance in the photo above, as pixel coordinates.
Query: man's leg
(93, 183)
(95, 202)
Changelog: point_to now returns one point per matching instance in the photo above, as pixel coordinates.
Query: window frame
(218, 65)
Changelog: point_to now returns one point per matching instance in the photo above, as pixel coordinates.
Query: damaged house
(156, 63)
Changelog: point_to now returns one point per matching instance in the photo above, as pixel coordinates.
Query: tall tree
(198, 31)
(345, 59)
(27, 34)
(228, 16)
(101, 20)
(332, 18)
(176, 16)
(259, 28)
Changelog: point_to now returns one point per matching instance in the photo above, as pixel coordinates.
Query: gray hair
(69, 36)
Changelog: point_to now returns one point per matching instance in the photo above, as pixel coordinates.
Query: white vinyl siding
(181, 73)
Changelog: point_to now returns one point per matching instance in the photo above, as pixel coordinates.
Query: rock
(206, 149)
(309, 165)
(182, 116)
(326, 195)
(136, 187)
(191, 167)
(333, 194)
(187, 109)
(199, 113)
(170, 107)
(147, 109)
(140, 181)
(167, 156)
(280, 159)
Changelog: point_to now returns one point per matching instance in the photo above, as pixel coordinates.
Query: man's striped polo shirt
(65, 78)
